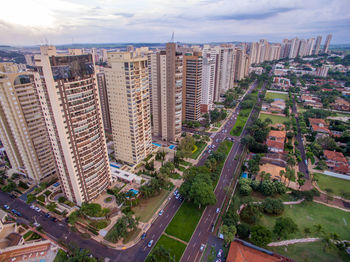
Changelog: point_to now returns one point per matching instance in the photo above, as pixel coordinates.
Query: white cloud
(154, 20)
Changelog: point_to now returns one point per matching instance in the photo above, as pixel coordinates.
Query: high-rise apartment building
(310, 46)
(240, 64)
(254, 53)
(327, 43)
(129, 102)
(302, 48)
(317, 45)
(22, 126)
(102, 90)
(166, 69)
(71, 108)
(192, 86)
(285, 49)
(225, 69)
(210, 57)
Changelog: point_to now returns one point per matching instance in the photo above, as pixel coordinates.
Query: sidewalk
(293, 241)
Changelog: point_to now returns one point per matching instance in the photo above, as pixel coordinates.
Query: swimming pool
(56, 184)
(172, 147)
(132, 192)
(114, 165)
(157, 144)
(244, 175)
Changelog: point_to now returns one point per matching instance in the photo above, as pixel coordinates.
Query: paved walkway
(293, 241)
(175, 238)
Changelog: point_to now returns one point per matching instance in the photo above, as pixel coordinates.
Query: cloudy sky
(30, 22)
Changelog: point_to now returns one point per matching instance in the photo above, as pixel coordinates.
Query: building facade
(166, 69)
(22, 127)
(192, 86)
(209, 78)
(70, 103)
(129, 102)
(102, 90)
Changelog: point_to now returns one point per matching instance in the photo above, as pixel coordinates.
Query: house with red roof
(319, 126)
(337, 162)
(275, 141)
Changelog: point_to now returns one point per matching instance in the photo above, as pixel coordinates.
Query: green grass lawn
(214, 129)
(308, 214)
(340, 187)
(271, 95)
(148, 207)
(275, 119)
(218, 124)
(184, 222)
(174, 247)
(240, 121)
(201, 146)
(226, 145)
(310, 252)
(185, 163)
(131, 235)
(181, 168)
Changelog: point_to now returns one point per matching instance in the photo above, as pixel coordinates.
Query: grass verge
(148, 207)
(240, 121)
(175, 249)
(185, 221)
(200, 148)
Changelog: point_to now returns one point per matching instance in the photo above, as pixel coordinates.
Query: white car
(36, 224)
(217, 210)
(161, 212)
(37, 209)
(32, 207)
(201, 249)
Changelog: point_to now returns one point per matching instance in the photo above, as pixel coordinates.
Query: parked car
(6, 207)
(202, 247)
(32, 207)
(212, 227)
(161, 212)
(37, 209)
(218, 260)
(143, 236)
(47, 215)
(220, 253)
(177, 196)
(150, 243)
(54, 219)
(217, 210)
(175, 192)
(36, 224)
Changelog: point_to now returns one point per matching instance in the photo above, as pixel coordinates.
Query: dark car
(53, 219)
(47, 215)
(143, 236)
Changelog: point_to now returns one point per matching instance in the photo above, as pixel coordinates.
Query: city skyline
(65, 22)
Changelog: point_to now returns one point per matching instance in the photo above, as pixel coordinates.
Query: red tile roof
(279, 135)
(275, 144)
(335, 156)
(241, 253)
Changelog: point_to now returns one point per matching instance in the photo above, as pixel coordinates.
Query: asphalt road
(59, 231)
(302, 165)
(209, 216)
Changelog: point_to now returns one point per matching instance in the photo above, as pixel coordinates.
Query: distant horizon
(64, 22)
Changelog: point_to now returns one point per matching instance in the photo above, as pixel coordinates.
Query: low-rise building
(319, 126)
(275, 141)
(341, 105)
(337, 162)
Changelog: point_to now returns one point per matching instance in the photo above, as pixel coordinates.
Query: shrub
(243, 230)
(61, 199)
(272, 206)
(47, 193)
(255, 184)
(268, 188)
(285, 226)
(245, 190)
(280, 187)
(41, 198)
(23, 185)
(260, 235)
(251, 213)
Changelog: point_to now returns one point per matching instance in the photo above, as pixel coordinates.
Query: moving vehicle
(217, 210)
(220, 253)
(143, 236)
(150, 243)
(36, 224)
(37, 209)
(201, 249)
(161, 212)
(6, 207)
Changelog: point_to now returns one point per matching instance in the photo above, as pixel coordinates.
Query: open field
(310, 252)
(184, 222)
(148, 207)
(174, 247)
(308, 214)
(270, 95)
(275, 119)
(339, 187)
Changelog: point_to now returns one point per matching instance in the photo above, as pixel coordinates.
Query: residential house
(341, 105)
(312, 101)
(337, 162)
(319, 126)
(277, 106)
(275, 141)
(241, 251)
(283, 83)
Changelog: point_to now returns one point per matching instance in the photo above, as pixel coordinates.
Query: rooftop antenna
(172, 38)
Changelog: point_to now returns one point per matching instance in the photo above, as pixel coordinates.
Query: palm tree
(283, 174)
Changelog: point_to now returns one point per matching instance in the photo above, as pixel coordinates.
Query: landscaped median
(166, 249)
(179, 231)
(247, 106)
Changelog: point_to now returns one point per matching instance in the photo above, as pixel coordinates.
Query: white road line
(161, 225)
(153, 236)
(144, 249)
